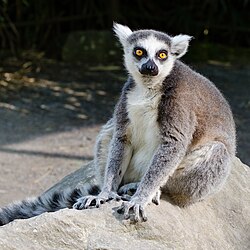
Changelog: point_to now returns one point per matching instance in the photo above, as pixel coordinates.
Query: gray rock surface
(221, 222)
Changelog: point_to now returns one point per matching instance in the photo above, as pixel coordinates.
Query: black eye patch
(162, 55)
(139, 52)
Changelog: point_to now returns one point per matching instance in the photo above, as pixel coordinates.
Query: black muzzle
(149, 68)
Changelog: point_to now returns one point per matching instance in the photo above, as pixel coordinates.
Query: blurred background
(61, 72)
(46, 25)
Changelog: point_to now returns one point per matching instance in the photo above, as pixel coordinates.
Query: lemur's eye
(139, 52)
(162, 55)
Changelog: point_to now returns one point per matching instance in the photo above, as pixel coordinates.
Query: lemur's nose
(149, 68)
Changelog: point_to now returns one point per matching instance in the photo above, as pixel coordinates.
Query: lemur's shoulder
(190, 85)
(184, 75)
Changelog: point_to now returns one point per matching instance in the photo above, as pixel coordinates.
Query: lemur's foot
(91, 201)
(128, 190)
(133, 210)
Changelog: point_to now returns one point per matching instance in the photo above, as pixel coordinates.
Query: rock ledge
(221, 222)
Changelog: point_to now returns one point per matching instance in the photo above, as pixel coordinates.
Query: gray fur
(144, 34)
(195, 126)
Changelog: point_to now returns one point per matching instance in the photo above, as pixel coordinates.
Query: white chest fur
(143, 131)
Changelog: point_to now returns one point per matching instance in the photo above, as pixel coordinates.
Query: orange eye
(162, 55)
(139, 52)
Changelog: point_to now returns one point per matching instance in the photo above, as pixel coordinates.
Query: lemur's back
(213, 114)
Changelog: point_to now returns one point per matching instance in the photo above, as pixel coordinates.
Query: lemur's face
(149, 55)
(148, 58)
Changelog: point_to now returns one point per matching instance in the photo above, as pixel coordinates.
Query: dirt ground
(50, 114)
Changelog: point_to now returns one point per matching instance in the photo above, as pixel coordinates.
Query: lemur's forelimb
(118, 159)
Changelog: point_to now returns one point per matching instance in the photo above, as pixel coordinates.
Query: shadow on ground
(47, 97)
(41, 97)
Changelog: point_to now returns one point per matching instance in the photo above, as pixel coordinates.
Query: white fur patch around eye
(152, 45)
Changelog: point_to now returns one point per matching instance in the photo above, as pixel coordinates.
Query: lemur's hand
(91, 201)
(136, 206)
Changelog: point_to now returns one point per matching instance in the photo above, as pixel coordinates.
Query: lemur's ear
(180, 45)
(122, 32)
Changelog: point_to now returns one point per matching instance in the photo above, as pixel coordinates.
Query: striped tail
(45, 203)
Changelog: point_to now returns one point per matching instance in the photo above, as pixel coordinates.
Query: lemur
(171, 131)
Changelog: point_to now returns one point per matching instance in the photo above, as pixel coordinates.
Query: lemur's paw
(87, 202)
(91, 201)
(133, 210)
(128, 189)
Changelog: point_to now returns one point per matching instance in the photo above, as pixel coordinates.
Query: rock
(221, 222)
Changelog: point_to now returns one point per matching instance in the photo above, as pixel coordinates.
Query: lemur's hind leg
(202, 173)
(101, 150)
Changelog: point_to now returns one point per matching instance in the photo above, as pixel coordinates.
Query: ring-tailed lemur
(172, 131)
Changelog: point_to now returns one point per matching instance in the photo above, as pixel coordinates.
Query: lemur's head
(149, 55)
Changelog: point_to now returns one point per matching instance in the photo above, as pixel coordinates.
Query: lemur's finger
(88, 202)
(143, 214)
(98, 203)
(79, 204)
(126, 211)
(136, 212)
(126, 197)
